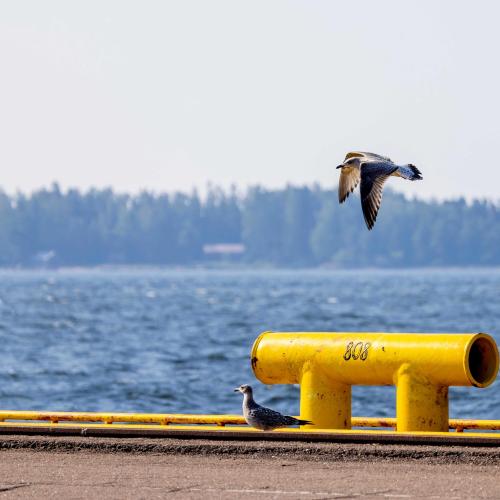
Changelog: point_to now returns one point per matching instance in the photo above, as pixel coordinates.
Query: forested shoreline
(290, 227)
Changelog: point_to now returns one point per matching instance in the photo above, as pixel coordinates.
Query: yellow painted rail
(201, 420)
(109, 418)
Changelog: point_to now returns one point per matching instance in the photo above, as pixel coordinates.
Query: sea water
(167, 340)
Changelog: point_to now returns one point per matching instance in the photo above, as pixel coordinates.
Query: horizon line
(240, 191)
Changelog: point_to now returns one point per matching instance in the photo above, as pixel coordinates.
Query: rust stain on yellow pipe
(421, 366)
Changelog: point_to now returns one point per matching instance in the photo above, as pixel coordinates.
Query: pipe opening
(483, 361)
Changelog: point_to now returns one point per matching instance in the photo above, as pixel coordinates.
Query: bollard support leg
(420, 405)
(324, 402)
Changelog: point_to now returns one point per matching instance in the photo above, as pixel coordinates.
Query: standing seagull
(263, 418)
(373, 170)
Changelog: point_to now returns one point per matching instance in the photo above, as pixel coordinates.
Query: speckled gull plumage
(372, 170)
(263, 418)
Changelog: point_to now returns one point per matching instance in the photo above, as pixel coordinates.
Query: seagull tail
(303, 422)
(410, 172)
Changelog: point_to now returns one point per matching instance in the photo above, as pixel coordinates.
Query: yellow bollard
(329, 403)
(421, 366)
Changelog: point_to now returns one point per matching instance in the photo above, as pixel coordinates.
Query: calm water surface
(179, 341)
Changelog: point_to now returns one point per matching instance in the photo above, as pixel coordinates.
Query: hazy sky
(171, 95)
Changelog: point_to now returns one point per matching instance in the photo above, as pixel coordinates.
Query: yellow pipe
(422, 366)
(150, 418)
(219, 420)
(455, 423)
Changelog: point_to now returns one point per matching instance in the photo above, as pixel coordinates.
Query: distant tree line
(295, 226)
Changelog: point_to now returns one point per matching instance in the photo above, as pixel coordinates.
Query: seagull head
(351, 162)
(244, 389)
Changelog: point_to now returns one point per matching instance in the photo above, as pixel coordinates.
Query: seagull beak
(237, 389)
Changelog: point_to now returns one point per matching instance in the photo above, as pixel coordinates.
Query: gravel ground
(73, 467)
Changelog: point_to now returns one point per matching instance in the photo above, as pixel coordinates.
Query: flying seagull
(372, 170)
(263, 418)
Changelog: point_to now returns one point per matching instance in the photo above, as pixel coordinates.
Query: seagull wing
(349, 179)
(373, 177)
(368, 156)
(267, 418)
